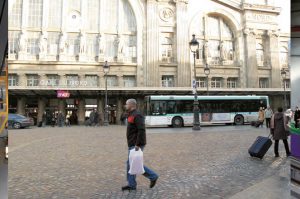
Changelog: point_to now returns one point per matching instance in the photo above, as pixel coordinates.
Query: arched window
(284, 56)
(216, 40)
(35, 14)
(15, 16)
(260, 54)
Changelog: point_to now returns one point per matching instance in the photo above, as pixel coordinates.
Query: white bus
(177, 111)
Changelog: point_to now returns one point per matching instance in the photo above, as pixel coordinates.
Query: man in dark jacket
(280, 131)
(297, 117)
(136, 138)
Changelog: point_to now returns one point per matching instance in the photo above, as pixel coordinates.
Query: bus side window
(171, 107)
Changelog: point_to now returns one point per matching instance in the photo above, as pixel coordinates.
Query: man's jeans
(151, 175)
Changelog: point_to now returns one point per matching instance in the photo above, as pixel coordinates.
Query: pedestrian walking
(68, 121)
(280, 131)
(261, 116)
(60, 119)
(297, 117)
(268, 115)
(92, 118)
(96, 118)
(136, 139)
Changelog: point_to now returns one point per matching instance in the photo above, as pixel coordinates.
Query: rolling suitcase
(260, 147)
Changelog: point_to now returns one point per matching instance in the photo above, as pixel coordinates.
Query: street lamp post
(283, 75)
(105, 70)
(194, 46)
(206, 72)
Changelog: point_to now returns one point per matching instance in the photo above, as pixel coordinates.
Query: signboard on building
(63, 94)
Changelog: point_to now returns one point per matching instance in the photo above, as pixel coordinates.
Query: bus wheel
(177, 122)
(239, 120)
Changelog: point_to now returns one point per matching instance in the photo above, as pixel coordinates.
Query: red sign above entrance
(63, 94)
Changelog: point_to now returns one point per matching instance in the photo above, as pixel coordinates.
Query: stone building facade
(62, 45)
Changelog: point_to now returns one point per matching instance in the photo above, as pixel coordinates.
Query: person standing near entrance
(136, 139)
(261, 116)
(280, 131)
(268, 115)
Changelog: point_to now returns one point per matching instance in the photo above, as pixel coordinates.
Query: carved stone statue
(223, 51)
(63, 43)
(119, 42)
(101, 44)
(205, 50)
(82, 48)
(43, 43)
(22, 44)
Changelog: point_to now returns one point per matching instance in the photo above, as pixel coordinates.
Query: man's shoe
(288, 154)
(277, 156)
(153, 182)
(128, 188)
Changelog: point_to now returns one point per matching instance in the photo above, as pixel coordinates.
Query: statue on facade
(205, 50)
(43, 43)
(63, 43)
(119, 43)
(223, 52)
(82, 48)
(101, 44)
(22, 44)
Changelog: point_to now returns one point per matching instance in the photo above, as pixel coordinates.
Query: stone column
(183, 69)
(41, 109)
(81, 112)
(119, 109)
(152, 64)
(224, 82)
(274, 59)
(140, 104)
(62, 106)
(22, 81)
(21, 105)
(120, 81)
(250, 58)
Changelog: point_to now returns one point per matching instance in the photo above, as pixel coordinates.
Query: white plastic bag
(136, 164)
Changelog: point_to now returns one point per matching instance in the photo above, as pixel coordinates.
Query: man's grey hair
(131, 101)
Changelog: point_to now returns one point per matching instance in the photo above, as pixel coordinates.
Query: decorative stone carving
(183, 1)
(273, 33)
(166, 14)
(119, 44)
(63, 43)
(43, 43)
(101, 44)
(249, 31)
(22, 44)
(82, 49)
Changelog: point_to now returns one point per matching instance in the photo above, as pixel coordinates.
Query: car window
(20, 117)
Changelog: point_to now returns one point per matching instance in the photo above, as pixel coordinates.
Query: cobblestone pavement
(89, 162)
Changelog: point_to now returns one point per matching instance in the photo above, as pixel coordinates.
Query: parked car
(19, 121)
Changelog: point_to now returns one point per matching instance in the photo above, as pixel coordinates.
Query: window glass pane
(35, 14)
(15, 16)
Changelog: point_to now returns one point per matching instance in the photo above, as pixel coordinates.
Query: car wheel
(17, 125)
(239, 120)
(177, 122)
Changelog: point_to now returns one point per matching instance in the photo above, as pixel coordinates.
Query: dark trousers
(296, 123)
(286, 146)
(268, 120)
